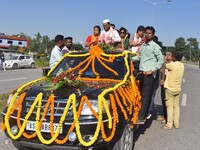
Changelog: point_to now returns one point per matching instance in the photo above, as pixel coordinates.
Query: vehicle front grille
(59, 106)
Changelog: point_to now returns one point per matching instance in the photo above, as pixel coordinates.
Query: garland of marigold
(72, 100)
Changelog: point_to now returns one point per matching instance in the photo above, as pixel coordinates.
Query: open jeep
(87, 101)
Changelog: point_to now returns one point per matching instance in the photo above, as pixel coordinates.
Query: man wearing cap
(56, 53)
(109, 35)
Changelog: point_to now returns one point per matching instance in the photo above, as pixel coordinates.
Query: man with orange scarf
(109, 35)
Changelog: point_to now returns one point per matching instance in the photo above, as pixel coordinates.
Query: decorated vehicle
(86, 101)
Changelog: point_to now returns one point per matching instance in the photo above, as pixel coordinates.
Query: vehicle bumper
(46, 147)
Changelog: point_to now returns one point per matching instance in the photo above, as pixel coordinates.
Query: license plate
(31, 126)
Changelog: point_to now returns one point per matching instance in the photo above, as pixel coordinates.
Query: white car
(20, 61)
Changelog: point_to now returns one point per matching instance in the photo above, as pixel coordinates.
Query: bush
(42, 62)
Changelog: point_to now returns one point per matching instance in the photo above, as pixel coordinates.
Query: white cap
(106, 21)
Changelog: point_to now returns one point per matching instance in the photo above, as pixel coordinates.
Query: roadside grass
(41, 63)
(3, 102)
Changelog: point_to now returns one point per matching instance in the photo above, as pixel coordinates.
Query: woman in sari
(124, 39)
(93, 39)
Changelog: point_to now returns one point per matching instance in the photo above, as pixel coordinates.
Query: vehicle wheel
(126, 140)
(32, 65)
(15, 66)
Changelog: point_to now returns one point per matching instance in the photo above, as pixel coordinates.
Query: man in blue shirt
(56, 53)
(151, 59)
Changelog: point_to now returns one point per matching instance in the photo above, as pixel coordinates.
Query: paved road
(152, 137)
(11, 79)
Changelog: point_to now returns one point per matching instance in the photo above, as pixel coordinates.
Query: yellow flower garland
(118, 90)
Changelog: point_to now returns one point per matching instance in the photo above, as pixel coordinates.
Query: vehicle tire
(126, 141)
(32, 65)
(15, 66)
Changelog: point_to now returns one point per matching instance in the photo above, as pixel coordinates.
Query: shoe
(149, 116)
(167, 127)
(163, 121)
(140, 121)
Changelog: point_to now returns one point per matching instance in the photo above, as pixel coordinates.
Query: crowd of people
(155, 69)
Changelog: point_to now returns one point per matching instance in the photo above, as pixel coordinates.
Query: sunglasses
(122, 32)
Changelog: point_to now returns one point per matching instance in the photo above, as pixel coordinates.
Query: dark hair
(122, 28)
(68, 38)
(98, 27)
(59, 38)
(177, 55)
(141, 28)
(112, 25)
(155, 39)
(150, 28)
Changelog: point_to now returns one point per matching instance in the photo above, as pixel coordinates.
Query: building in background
(7, 41)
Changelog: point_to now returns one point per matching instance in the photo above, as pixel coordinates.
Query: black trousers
(147, 89)
(163, 102)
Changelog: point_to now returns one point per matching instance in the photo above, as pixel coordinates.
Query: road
(11, 79)
(152, 136)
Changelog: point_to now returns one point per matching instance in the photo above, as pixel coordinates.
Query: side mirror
(45, 71)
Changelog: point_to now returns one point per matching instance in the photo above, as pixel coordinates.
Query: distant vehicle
(20, 61)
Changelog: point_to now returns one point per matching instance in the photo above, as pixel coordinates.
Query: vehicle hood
(90, 89)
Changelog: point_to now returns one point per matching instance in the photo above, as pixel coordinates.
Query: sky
(76, 18)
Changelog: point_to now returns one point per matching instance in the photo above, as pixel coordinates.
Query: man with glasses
(109, 35)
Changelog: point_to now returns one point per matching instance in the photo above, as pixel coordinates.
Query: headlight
(14, 130)
(94, 104)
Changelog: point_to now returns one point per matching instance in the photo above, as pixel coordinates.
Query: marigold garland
(126, 94)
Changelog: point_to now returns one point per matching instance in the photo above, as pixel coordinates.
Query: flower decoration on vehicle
(64, 79)
(123, 95)
(106, 47)
(96, 53)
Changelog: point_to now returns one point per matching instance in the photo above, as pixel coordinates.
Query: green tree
(180, 44)
(78, 46)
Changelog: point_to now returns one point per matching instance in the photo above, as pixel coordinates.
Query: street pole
(190, 52)
(154, 6)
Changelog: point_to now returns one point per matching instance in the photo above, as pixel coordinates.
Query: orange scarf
(97, 40)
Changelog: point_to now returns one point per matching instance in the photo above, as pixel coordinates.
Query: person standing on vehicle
(56, 53)
(124, 38)
(137, 39)
(172, 86)
(151, 59)
(93, 40)
(109, 35)
(68, 45)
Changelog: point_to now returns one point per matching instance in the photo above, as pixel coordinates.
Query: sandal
(167, 127)
(163, 121)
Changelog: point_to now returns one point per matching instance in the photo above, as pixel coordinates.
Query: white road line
(13, 79)
(184, 100)
(183, 80)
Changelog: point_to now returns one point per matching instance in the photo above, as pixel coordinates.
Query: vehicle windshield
(69, 62)
(13, 57)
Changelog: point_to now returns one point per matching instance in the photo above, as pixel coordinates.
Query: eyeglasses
(122, 32)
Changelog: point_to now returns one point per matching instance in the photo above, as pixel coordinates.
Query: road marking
(183, 80)
(13, 79)
(184, 100)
